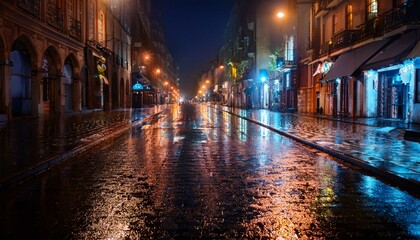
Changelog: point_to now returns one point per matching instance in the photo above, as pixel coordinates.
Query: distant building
(259, 56)
(154, 75)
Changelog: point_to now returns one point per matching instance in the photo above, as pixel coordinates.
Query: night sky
(193, 33)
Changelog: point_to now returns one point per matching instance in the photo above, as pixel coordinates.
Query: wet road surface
(195, 172)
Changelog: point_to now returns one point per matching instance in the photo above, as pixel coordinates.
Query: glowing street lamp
(146, 56)
(280, 14)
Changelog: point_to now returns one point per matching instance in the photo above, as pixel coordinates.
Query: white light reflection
(243, 127)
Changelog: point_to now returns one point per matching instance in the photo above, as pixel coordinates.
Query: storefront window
(349, 16)
(372, 9)
(417, 93)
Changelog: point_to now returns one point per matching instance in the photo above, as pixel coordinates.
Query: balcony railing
(75, 28)
(338, 41)
(30, 6)
(55, 16)
(406, 14)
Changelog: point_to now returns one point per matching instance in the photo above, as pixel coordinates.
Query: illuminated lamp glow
(265, 86)
(137, 87)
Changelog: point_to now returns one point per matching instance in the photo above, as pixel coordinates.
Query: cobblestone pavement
(379, 144)
(27, 143)
(195, 173)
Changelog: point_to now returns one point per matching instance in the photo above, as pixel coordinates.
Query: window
(74, 9)
(372, 9)
(289, 49)
(417, 92)
(101, 27)
(334, 24)
(70, 8)
(349, 16)
(91, 21)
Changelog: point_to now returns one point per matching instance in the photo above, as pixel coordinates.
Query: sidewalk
(31, 145)
(376, 146)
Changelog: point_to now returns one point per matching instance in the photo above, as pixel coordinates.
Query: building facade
(59, 56)
(42, 55)
(259, 56)
(154, 75)
(363, 60)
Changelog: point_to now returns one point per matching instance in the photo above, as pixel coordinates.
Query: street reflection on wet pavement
(195, 172)
(26, 143)
(381, 147)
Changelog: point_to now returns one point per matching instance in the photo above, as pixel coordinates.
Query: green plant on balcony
(275, 56)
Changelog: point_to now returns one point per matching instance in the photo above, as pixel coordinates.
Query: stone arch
(23, 94)
(71, 83)
(51, 92)
(75, 87)
(76, 64)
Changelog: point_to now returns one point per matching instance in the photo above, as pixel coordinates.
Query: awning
(318, 70)
(415, 52)
(103, 79)
(394, 52)
(348, 62)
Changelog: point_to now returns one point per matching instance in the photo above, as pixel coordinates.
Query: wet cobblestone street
(379, 146)
(193, 172)
(49, 137)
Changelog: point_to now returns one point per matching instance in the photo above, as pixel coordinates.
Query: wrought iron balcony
(30, 6)
(338, 41)
(405, 14)
(55, 16)
(75, 28)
